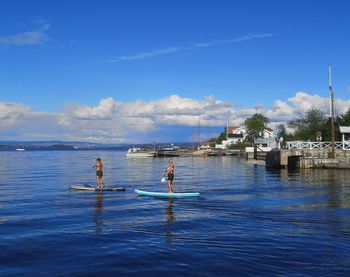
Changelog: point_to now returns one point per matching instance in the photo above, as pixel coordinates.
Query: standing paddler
(170, 172)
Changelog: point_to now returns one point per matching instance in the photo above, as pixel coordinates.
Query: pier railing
(322, 145)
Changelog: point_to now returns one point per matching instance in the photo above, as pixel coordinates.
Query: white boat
(232, 152)
(171, 148)
(20, 149)
(137, 152)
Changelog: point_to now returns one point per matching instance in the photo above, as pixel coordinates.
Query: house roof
(232, 129)
(344, 129)
(207, 142)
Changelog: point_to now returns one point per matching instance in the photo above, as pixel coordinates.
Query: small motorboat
(137, 152)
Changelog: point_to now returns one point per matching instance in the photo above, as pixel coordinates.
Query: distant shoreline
(71, 146)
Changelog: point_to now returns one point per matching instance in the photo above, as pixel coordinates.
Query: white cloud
(36, 36)
(115, 121)
(294, 107)
(341, 106)
(103, 111)
(232, 40)
(280, 111)
(192, 46)
(18, 122)
(11, 114)
(303, 102)
(159, 111)
(145, 55)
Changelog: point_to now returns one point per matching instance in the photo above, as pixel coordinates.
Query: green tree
(307, 127)
(221, 137)
(241, 145)
(281, 131)
(344, 120)
(255, 126)
(327, 129)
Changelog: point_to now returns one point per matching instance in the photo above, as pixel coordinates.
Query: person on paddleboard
(99, 173)
(170, 172)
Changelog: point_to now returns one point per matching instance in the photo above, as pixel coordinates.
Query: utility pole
(331, 110)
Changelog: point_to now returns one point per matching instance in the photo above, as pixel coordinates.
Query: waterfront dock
(196, 153)
(307, 158)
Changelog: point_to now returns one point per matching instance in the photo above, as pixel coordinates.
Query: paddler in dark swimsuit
(170, 172)
(99, 173)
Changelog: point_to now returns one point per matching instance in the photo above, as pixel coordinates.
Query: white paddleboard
(93, 188)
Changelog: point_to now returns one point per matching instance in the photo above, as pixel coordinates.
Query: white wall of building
(241, 130)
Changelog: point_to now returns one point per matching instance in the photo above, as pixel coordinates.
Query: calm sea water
(248, 221)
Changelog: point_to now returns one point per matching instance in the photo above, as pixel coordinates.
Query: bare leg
(97, 181)
(170, 186)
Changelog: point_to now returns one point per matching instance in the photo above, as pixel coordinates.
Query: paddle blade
(163, 180)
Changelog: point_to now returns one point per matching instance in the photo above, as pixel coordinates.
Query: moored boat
(137, 152)
(173, 151)
(232, 152)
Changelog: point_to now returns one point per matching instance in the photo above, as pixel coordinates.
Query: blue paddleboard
(167, 194)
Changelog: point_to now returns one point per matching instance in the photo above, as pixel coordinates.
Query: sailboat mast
(199, 130)
(193, 138)
(227, 120)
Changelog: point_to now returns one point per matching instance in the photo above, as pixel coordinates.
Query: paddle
(163, 179)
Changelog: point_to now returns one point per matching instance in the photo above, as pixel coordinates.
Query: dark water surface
(248, 221)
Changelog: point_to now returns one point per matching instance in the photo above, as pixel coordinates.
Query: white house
(239, 134)
(345, 131)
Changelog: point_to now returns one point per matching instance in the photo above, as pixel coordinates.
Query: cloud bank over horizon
(116, 121)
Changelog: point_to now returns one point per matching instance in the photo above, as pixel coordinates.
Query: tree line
(312, 123)
(307, 127)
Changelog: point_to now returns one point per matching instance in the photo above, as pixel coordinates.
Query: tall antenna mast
(331, 110)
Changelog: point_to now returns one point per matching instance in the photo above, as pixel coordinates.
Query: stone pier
(307, 158)
(341, 163)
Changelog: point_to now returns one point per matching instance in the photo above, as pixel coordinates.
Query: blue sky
(58, 57)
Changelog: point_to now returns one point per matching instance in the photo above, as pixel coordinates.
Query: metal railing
(323, 145)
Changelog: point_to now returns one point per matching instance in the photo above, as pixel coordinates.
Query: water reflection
(169, 211)
(170, 218)
(98, 212)
(318, 187)
(335, 183)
